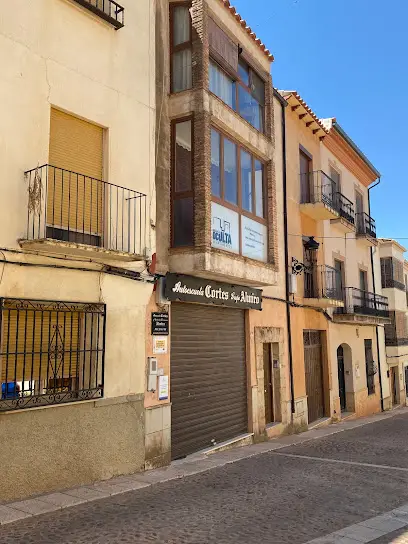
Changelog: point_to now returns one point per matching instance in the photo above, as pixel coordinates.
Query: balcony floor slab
(78, 250)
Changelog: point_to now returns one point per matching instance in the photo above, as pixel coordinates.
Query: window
(246, 95)
(370, 366)
(230, 172)
(182, 184)
(180, 48)
(222, 85)
(251, 96)
(237, 180)
(51, 352)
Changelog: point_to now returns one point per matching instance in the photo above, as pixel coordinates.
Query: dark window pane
(183, 158)
(222, 85)
(249, 108)
(181, 25)
(181, 71)
(258, 88)
(215, 164)
(246, 180)
(230, 172)
(259, 202)
(243, 72)
(183, 222)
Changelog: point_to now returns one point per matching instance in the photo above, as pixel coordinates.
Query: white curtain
(182, 79)
(221, 85)
(182, 25)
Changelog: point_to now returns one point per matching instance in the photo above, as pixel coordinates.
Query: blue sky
(348, 59)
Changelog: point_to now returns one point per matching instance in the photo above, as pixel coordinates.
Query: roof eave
(363, 157)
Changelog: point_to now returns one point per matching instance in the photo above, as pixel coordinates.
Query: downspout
(285, 238)
(373, 275)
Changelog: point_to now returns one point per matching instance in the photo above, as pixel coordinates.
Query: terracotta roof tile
(247, 29)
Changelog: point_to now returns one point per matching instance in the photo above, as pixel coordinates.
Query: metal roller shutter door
(208, 376)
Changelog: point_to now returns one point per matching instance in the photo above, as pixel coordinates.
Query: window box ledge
(222, 266)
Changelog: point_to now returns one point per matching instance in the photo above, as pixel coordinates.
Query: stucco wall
(58, 447)
(55, 53)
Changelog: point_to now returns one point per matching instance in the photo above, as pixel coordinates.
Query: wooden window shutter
(75, 194)
(386, 272)
(224, 49)
(41, 345)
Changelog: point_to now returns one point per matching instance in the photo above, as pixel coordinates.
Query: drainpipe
(373, 274)
(285, 238)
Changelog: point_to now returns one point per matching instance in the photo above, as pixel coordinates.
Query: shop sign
(254, 239)
(224, 228)
(160, 323)
(192, 289)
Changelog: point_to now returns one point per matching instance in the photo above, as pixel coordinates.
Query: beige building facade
(339, 312)
(394, 282)
(77, 180)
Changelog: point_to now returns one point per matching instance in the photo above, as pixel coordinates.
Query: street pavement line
(340, 461)
(370, 529)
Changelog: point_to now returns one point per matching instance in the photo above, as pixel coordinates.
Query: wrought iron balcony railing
(346, 208)
(365, 225)
(364, 303)
(395, 341)
(323, 281)
(317, 187)
(73, 207)
(109, 10)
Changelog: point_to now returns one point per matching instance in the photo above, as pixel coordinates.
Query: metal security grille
(314, 374)
(50, 352)
(208, 376)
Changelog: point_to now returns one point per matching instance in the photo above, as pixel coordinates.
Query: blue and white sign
(254, 239)
(224, 228)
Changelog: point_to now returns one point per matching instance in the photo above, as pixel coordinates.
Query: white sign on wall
(254, 239)
(224, 228)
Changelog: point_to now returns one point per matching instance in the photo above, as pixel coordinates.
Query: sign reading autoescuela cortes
(192, 289)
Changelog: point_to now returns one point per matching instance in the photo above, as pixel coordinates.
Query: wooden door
(360, 212)
(394, 382)
(342, 377)
(314, 374)
(268, 384)
(305, 177)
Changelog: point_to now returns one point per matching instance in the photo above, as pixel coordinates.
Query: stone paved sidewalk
(191, 465)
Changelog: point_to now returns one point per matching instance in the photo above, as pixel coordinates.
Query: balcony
(318, 196)
(322, 287)
(366, 229)
(345, 207)
(72, 213)
(363, 307)
(108, 10)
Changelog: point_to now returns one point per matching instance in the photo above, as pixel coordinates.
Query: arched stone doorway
(345, 374)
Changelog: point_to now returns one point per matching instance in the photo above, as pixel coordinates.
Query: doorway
(314, 374)
(306, 175)
(342, 377)
(271, 382)
(394, 385)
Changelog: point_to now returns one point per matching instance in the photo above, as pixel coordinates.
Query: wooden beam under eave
(316, 130)
(322, 138)
(294, 108)
(302, 115)
(309, 123)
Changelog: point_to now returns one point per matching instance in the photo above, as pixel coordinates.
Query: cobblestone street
(293, 494)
